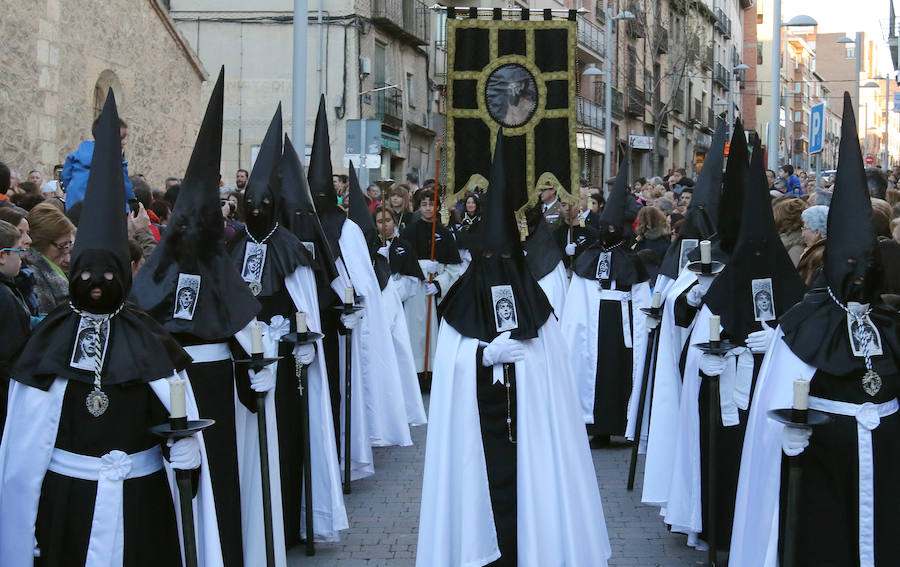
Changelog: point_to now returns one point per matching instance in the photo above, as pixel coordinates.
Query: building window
(411, 90)
(759, 53)
(850, 51)
(107, 80)
(759, 18)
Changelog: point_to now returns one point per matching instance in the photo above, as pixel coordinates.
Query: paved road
(384, 515)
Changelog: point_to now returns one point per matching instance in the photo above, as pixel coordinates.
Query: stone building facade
(59, 57)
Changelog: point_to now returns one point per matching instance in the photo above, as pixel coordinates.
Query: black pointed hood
(759, 255)
(331, 215)
(730, 214)
(138, 349)
(469, 304)
(614, 212)
(299, 210)
(851, 252)
(702, 214)
(359, 212)
(194, 245)
(102, 242)
(263, 192)
(816, 328)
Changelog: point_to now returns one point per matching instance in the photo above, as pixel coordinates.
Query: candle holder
(654, 312)
(257, 362)
(179, 427)
(309, 337)
(720, 347)
(711, 269)
(794, 417)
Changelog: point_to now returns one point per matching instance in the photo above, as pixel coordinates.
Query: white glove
(503, 349)
(384, 251)
(263, 380)
(431, 289)
(795, 439)
(351, 320)
(184, 454)
(712, 364)
(432, 267)
(570, 249)
(695, 296)
(305, 354)
(758, 341)
(704, 281)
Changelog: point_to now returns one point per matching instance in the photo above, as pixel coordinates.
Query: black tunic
(66, 505)
(13, 335)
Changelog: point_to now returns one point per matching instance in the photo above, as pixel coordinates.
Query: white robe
(329, 512)
(665, 399)
(416, 308)
(559, 511)
(579, 327)
(382, 391)
(754, 536)
(25, 454)
(555, 286)
(412, 394)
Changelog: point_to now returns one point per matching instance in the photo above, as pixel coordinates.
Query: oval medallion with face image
(511, 95)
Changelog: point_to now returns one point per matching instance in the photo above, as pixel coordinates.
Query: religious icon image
(687, 245)
(865, 339)
(511, 95)
(254, 261)
(89, 345)
(186, 295)
(763, 304)
(505, 316)
(603, 265)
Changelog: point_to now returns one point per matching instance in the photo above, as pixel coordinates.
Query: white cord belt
(213, 352)
(623, 297)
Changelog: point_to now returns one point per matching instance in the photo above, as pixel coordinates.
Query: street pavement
(384, 515)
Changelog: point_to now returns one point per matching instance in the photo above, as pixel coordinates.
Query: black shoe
(599, 441)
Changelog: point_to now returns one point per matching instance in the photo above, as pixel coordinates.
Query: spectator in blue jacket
(792, 181)
(78, 166)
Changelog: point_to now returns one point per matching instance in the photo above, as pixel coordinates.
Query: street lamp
(775, 118)
(607, 68)
(885, 156)
(734, 70)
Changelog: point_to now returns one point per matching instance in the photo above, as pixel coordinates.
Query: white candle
(714, 328)
(256, 346)
(657, 299)
(348, 295)
(301, 322)
(176, 398)
(705, 252)
(801, 394)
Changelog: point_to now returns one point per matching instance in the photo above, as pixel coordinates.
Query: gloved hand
(431, 289)
(305, 354)
(795, 439)
(712, 364)
(384, 251)
(704, 281)
(503, 349)
(184, 454)
(758, 341)
(351, 320)
(263, 380)
(432, 267)
(570, 249)
(695, 296)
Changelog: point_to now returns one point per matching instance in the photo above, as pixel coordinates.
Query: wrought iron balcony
(636, 100)
(406, 18)
(662, 39)
(723, 22)
(720, 76)
(678, 102)
(389, 106)
(590, 36)
(618, 104)
(589, 114)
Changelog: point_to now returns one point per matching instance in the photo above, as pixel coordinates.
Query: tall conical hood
(189, 283)
(102, 243)
(359, 211)
(851, 254)
(263, 193)
(702, 215)
(500, 233)
(471, 306)
(299, 212)
(730, 214)
(614, 212)
(741, 294)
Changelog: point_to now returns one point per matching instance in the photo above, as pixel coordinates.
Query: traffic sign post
(817, 136)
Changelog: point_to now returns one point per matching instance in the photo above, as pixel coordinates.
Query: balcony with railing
(678, 101)
(590, 36)
(635, 27)
(407, 18)
(723, 22)
(440, 63)
(707, 58)
(662, 39)
(636, 100)
(720, 76)
(661, 114)
(589, 115)
(389, 106)
(711, 119)
(618, 104)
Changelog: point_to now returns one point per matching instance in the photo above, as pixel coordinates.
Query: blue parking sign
(816, 128)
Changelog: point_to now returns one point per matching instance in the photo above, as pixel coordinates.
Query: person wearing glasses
(16, 324)
(52, 238)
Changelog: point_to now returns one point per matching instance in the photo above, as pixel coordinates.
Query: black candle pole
(653, 317)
